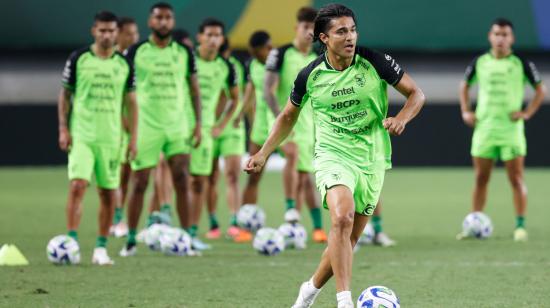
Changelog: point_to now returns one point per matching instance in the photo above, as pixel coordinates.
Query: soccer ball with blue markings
(251, 217)
(153, 234)
(295, 235)
(378, 297)
(269, 242)
(175, 242)
(477, 225)
(63, 249)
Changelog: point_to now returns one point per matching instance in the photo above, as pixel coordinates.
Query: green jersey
(348, 108)
(98, 85)
(256, 75)
(287, 61)
(241, 82)
(162, 84)
(214, 76)
(501, 92)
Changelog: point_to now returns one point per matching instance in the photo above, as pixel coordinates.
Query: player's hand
(469, 118)
(197, 136)
(132, 150)
(216, 131)
(394, 126)
(65, 139)
(255, 163)
(237, 122)
(519, 115)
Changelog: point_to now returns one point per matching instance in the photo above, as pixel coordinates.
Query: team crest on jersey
(360, 80)
(116, 70)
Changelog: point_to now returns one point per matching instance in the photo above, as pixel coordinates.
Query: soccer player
(166, 83)
(182, 36)
(231, 146)
(214, 74)
(99, 80)
(128, 35)
(347, 89)
(282, 67)
(498, 120)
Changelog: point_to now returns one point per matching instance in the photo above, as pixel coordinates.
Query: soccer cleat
(243, 236)
(383, 240)
(128, 251)
(319, 236)
(213, 234)
(100, 257)
(120, 229)
(305, 300)
(520, 235)
(199, 245)
(232, 231)
(292, 215)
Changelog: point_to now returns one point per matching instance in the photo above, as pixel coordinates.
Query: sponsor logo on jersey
(316, 75)
(345, 104)
(343, 91)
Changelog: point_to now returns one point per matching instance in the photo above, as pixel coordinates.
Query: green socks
(165, 208)
(213, 221)
(132, 236)
(101, 241)
(234, 220)
(118, 215)
(520, 222)
(73, 234)
(316, 218)
(377, 224)
(193, 230)
(290, 203)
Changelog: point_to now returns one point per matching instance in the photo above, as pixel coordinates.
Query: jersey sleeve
(470, 74)
(131, 79)
(299, 94)
(274, 61)
(247, 71)
(68, 78)
(531, 73)
(386, 66)
(191, 64)
(231, 75)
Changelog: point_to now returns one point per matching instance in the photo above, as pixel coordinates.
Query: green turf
(423, 211)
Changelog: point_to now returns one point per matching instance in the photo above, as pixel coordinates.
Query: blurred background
(433, 40)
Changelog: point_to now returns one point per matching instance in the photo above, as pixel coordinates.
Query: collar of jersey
(155, 44)
(325, 58)
(93, 53)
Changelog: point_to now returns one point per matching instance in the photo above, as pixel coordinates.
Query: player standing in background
(128, 35)
(214, 74)
(166, 83)
(231, 146)
(498, 120)
(347, 89)
(99, 80)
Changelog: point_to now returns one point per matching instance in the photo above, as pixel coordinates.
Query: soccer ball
(269, 242)
(367, 237)
(175, 242)
(478, 225)
(251, 217)
(63, 249)
(378, 297)
(152, 236)
(295, 235)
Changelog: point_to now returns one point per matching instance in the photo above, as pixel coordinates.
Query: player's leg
(307, 190)
(77, 189)
(199, 187)
(380, 237)
(482, 168)
(159, 206)
(107, 203)
(250, 192)
(179, 168)
(119, 228)
(232, 171)
(515, 170)
(290, 180)
(140, 179)
(212, 201)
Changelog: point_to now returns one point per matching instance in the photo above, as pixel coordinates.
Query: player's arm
(468, 115)
(226, 116)
(196, 100)
(273, 66)
(131, 105)
(63, 107)
(533, 77)
(415, 100)
(249, 102)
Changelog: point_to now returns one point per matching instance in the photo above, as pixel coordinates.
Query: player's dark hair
(328, 13)
(123, 21)
(503, 22)
(179, 35)
(258, 39)
(161, 5)
(225, 46)
(211, 22)
(105, 16)
(306, 14)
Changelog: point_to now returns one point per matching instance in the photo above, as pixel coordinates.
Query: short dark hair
(328, 13)
(306, 14)
(503, 22)
(225, 46)
(123, 21)
(105, 16)
(258, 39)
(161, 5)
(211, 22)
(180, 34)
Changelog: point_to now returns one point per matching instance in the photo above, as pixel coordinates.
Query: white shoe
(199, 245)
(125, 252)
(520, 235)
(383, 240)
(292, 215)
(120, 229)
(305, 300)
(100, 257)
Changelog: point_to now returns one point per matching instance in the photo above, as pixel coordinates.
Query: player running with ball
(347, 89)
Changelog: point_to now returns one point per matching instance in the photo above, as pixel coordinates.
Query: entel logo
(343, 91)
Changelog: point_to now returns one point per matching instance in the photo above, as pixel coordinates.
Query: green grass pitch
(423, 210)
